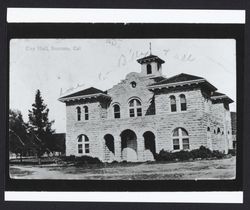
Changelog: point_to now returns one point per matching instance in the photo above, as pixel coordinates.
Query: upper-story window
(149, 69)
(135, 109)
(183, 102)
(173, 103)
(218, 130)
(86, 113)
(117, 113)
(78, 113)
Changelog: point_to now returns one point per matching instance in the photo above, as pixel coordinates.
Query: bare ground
(203, 169)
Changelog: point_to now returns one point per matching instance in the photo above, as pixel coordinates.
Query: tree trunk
(21, 157)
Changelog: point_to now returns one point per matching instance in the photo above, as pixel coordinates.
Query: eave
(90, 96)
(179, 84)
(223, 98)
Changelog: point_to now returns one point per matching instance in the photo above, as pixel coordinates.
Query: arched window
(218, 130)
(117, 111)
(208, 128)
(135, 109)
(86, 113)
(183, 102)
(149, 69)
(180, 139)
(78, 113)
(83, 144)
(173, 103)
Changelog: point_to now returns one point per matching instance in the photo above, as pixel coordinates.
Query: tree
(17, 133)
(40, 124)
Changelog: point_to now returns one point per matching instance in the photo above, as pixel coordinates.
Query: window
(176, 144)
(135, 109)
(180, 139)
(149, 69)
(78, 113)
(86, 113)
(173, 103)
(183, 102)
(218, 130)
(83, 144)
(133, 84)
(208, 128)
(117, 111)
(185, 143)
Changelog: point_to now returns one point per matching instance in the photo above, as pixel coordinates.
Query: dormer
(151, 66)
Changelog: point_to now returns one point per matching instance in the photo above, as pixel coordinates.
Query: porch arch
(149, 145)
(129, 145)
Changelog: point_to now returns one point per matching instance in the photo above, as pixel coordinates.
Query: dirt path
(205, 169)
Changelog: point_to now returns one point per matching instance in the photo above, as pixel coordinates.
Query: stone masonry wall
(200, 114)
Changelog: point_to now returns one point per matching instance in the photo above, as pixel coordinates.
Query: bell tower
(151, 65)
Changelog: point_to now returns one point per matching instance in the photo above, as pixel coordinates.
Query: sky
(60, 66)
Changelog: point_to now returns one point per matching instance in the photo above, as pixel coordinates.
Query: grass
(190, 170)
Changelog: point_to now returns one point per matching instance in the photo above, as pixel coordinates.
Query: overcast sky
(60, 66)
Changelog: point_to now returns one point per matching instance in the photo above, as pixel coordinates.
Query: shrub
(81, 160)
(232, 152)
(182, 155)
(87, 160)
(164, 156)
(202, 152)
(218, 154)
(70, 158)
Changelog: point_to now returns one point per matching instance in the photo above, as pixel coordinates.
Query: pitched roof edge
(63, 99)
(224, 96)
(178, 83)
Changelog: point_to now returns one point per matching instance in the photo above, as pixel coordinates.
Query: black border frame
(79, 30)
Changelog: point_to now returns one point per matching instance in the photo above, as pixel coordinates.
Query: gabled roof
(217, 97)
(217, 94)
(158, 79)
(89, 92)
(178, 78)
(150, 58)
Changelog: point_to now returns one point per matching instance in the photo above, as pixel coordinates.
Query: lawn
(200, 169)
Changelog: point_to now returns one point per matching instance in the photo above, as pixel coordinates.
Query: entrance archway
(129, 145)
(109, 149)
(149, 143)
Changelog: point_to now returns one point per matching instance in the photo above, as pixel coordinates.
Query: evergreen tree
(39, 122)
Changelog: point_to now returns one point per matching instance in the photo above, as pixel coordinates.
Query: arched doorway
(129, 145)
(149, 144)
(109, 148)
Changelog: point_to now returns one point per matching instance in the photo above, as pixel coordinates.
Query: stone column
(140, 148)
(118, 152)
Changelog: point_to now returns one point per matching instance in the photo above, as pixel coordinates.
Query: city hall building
(146, 113)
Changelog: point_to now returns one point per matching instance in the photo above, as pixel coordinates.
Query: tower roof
(150, 58)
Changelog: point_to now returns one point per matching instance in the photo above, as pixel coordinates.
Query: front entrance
(149, 143)
(129, 146)
(109, 148)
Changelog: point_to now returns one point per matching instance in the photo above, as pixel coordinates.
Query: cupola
(151, 65)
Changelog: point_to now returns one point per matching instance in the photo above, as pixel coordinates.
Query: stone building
(145, 113)
(234, 128)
